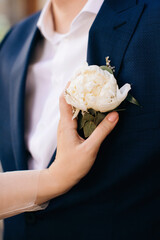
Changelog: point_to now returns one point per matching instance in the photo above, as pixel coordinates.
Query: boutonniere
(93, 92)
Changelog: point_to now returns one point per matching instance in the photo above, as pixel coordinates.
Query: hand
(75, 156)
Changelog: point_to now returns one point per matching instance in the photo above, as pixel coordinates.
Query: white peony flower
(92, 87)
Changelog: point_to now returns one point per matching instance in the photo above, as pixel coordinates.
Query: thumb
(103, 129)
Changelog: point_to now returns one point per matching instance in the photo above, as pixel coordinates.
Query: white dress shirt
(55, 59)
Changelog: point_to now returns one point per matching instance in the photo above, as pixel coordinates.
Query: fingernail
(112, 117)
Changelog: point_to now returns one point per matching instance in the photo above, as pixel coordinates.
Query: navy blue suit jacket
(120, 197)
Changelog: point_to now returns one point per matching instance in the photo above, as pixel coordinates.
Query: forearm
(18, 192)
(24, 191)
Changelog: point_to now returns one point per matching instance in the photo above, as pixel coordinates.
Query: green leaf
(88, 128)
(99, 117)
(92, 112)
(81, 121)
(107, 69)
(132, 100)
(88, 117)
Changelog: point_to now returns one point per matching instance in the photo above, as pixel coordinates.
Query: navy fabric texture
(119, 199)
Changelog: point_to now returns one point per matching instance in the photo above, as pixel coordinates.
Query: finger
(62, 102)
(67, 85)
(103, 129)
(66, 113)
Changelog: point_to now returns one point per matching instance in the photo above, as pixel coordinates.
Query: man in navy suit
(119, 198)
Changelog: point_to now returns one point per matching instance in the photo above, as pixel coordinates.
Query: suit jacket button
(30, 218)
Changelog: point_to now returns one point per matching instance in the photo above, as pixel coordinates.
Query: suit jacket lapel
(17, 95)
(112, 30)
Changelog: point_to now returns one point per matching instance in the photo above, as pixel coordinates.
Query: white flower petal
(75, 114)
(123, 92)
(92, 87)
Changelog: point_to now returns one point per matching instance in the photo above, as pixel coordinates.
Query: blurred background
(12, 11)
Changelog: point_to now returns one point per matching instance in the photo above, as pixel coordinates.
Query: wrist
(53, 182)
(64, 179)
(47, 187)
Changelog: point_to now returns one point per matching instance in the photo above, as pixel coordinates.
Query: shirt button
(30, 218)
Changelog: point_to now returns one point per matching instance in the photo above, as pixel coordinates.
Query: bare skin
(64, 11)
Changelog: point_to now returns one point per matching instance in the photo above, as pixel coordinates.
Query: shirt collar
(46, 24)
